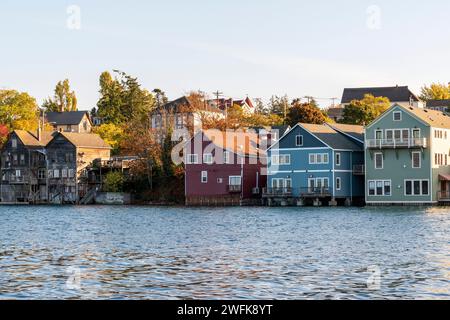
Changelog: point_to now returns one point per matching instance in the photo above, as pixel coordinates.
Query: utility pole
(218, 94)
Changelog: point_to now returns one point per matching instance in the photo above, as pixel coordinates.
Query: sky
(240, 47)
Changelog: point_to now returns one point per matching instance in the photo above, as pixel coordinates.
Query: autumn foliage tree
(305, 113)
(18, 110)
(363, 112)
(436, 91)
(64, 99)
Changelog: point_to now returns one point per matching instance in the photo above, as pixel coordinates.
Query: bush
(113, 182)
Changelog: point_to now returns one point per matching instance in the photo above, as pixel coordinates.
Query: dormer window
(14, 143)
(397, 116)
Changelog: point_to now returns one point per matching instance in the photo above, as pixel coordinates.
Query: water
(230, 253)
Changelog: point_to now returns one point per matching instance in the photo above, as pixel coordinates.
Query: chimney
(39, 132)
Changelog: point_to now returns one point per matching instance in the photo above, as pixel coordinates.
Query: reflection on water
(234, 253)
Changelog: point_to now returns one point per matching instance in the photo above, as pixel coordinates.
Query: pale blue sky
(241, 47)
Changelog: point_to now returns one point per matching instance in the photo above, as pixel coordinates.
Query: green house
(407, 157)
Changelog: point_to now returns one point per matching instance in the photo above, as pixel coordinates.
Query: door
(444, 190)
(311, 185)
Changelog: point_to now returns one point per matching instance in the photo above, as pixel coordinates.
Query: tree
(160, 97)
(122, 99)
(166, 156)
(305, 113)
(279, 105)
(18, 110)
(64, 100)
(363, 112)
(436, 91)
(112, 134)
(3, 134)
(113, 182)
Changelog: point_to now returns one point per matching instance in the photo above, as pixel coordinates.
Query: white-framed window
(71, 173)
(235, 180)
(397, 116)
(56, 173)
(282, 159)
(18, 173)
(299, 141)
(204, 177)
(417, 187)
(416, 133)
(22, 159)
(64, 173)
(41, 174)
(379, 161)
(226, 157)
(208, 158)
(378, 134)
(14, 143)
(319, 158)
(380, 188)
(192, 159)
(338, 183)
(416, 160)
(338, 159)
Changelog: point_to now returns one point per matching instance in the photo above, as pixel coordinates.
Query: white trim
(390, 110)
(420, 159)
(336, 156)
(404, 202)
(376, 181)
(340, 183)
(208, 155)
(203, 175)
(375, 160)
(192, 155)
(297, 149)
(397, 112)
(296, 140)
(412, 188)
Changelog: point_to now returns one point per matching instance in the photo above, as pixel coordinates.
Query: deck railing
(277, 191)
(396, 143)
(301, 192)
(443, 196)
(235, 188)
(317, 191)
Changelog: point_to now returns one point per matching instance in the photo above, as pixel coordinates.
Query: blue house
(317, 164)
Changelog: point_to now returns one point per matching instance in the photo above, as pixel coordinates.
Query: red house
(224, 168)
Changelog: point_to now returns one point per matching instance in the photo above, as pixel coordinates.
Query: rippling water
(232, 253)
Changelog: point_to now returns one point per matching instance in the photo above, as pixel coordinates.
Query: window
(207, 158)
(397, 116)
(318, 158)
(299, 141)
(417, 188)
(41, 174)
(379, 134)
(14, 143)
(284, 159)
(71, 173)
(338, 184)
(56, 173)
(64, 173)
(235, 181)
(192, 159)
(15, 160)
(204, 178)
(338, 159)
(69, 128)
(22, 159)
(226, 157)
(380, 188)
(416, 133)
(69, 157)
(416, 160)
(378, 161)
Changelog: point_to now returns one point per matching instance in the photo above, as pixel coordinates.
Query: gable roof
(438, 103)
(175, 106)
(237, 142)
(331, 137)
(356, 132)
(85, 140)
(436, 119)
(66, 118)
(394, 94)
(30, 140)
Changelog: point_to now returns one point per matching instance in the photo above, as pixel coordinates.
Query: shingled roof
(356, 132)
(435, 119)
(86, 140)
(394, 94)
(31, 140)
(438, 103)
(176, 105)
(331, 137)
(66, 118)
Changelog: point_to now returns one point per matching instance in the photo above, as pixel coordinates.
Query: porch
(443, 195)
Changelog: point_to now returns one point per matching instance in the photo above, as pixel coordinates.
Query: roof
(86, 140)
(435, 119)
(66, 118)
(175, 105)
(333, 138)
(31, 140)
(238, 142)
(438, 103)
(353, 131)
(394, 94)
(335, 112)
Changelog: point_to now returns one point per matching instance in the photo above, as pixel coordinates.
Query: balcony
(359, 170)
(235, 188)
(317, 192)
(280, 192)
(414, 143)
